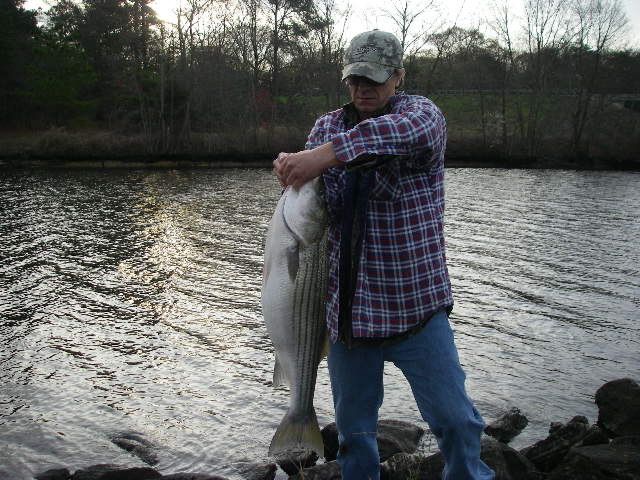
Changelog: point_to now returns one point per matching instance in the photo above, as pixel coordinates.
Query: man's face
(370, 97)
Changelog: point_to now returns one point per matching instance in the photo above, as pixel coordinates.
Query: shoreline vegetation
(61, 147)
(108, 82)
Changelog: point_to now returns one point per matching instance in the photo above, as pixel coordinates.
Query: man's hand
(296, 169)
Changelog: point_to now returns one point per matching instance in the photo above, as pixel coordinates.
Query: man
(382, 161)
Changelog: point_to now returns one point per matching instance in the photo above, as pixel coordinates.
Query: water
(129, 301)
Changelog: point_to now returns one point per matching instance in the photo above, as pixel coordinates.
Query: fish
(293, 302)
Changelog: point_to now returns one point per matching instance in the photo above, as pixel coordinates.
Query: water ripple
(130, 301)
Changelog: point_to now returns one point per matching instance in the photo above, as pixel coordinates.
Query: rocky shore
(576, 450)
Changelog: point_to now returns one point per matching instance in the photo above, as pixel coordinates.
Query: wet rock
(507, 463)
(137, 445)
(594, 436)
(295, 463)
(600, 462)
(324, 471)
(508, 426)
(191, 476)
(54, 474)
(394, 436)
(402, 466)
(258, 471)
(627, 440)
(619, 407)
(115, 472)
(548, 453)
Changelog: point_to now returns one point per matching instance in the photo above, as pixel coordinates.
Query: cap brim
(373, 71)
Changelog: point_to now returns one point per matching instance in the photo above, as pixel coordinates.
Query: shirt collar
(351, 118)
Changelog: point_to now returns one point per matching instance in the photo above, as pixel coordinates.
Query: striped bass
(293, 305)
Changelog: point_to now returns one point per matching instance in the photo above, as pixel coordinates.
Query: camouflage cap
(375, 55)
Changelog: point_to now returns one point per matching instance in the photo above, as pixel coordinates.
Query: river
(130, 302)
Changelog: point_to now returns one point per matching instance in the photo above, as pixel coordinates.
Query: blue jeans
(429, 361)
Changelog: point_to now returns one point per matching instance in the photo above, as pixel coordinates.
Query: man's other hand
(296, 169)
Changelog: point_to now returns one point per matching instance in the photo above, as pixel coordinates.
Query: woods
(107, 77)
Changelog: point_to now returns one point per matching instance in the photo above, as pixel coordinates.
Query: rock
(54, 474)
(402, 466)
(548, 453)
(508, 426)
(258, 471)
(295, 463)
(509, 464)
(115, 472)
(628, 440)
(394, 436)
(137, 445)
(594, 436)
(600, 462)
(619, 407)
(191, 476)
(324, 471)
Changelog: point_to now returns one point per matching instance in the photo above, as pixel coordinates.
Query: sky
(469, 13)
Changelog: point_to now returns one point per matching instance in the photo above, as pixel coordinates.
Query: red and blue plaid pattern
(402, 277)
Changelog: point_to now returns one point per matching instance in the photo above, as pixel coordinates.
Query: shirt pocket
(387, 185)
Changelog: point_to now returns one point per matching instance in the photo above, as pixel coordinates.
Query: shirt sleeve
(415, 129)
(319, 133)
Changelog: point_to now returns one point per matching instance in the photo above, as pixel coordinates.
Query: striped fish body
(293, 305)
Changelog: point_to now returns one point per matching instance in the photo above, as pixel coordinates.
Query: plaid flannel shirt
(402, 276)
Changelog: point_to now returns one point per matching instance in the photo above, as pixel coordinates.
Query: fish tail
(294, 434)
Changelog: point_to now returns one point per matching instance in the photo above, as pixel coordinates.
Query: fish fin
(293, 262)
(279, 377)
(295, 434)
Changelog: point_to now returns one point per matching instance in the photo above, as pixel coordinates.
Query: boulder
(115, 472)
(191, 476)
(257, 471)
(324, 471)
(507, 463)
(594, 436)
(627, 440)
(619, 407)
(394, 436)
(295, 462)
(508, 426)
(402, 466)
(600, 462)
(137, 445)
(548, 453)
(54, 474)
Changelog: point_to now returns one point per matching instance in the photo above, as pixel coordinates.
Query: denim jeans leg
(356, 384)
(429, 361)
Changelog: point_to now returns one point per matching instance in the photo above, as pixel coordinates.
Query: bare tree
(250, 44)
(547, 33)
(331, 41)
(414, 22)
(500, 22)
(599, 23)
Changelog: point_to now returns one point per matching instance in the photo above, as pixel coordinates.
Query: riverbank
(234, 160)
(59, 147)
(606, 450)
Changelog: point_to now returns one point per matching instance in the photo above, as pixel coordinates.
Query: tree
(546, 36)
(599, 23)
(18, 30)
